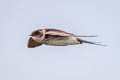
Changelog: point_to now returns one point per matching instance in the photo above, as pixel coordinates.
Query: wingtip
(87, 36)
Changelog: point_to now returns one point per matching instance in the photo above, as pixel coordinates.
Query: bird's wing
(32, 43)
(56, 32)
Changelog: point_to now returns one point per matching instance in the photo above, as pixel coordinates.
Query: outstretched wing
(32, 43)
(56, 32)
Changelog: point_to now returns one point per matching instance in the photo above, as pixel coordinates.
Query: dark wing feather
(32, 43)
(57, 32)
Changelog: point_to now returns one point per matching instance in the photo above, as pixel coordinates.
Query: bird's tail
(90, 42)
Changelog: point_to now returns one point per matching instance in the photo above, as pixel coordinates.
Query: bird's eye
(37, 33)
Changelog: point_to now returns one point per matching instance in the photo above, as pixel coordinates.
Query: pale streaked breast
(37, 39)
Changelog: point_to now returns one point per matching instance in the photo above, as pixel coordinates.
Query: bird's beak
(30, 35)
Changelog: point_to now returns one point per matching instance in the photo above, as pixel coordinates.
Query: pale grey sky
(18, 18)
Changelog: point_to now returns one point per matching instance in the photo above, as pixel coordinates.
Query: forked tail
(89, 42)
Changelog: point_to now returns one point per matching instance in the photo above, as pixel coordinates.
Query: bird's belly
(62, 41)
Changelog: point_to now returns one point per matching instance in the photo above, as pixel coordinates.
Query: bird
(56, 37)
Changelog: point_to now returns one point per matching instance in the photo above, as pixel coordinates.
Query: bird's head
(38, 35)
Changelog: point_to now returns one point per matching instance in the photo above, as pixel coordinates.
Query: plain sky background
(18, 18)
